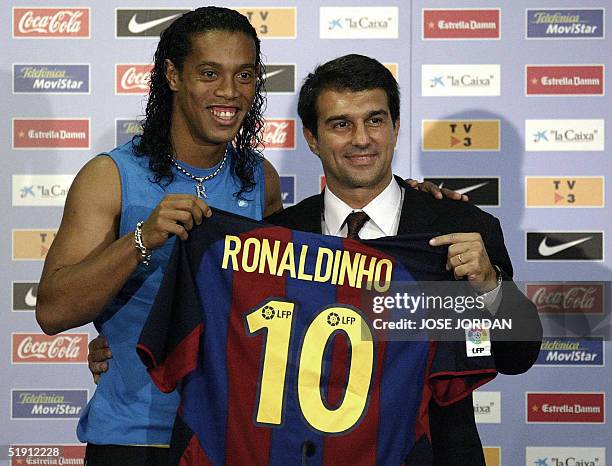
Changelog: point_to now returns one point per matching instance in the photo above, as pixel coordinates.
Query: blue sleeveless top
(127, 408)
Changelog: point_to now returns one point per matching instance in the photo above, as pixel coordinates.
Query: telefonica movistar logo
(50, 79)
(125, 130)
(48, 404)
(551, 23)
(569, 351)
(367, 22)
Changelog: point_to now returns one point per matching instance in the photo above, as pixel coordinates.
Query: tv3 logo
(466, 127)
(571, 198)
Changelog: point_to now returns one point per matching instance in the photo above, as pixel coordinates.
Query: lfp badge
(477, 341)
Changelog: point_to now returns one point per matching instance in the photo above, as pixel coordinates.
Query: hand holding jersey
(467, 257)
(176, 214)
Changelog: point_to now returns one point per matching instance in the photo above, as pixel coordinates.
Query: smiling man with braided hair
(126, 207)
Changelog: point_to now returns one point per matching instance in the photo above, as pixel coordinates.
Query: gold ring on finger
(459, 257)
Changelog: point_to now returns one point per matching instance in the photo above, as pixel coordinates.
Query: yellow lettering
(287, 262)
(301, 274)
(386, 284)
(269, 257)
(231, 253)
(348, 268)
(337, 259)
(366, 271)
(250, 244)
(329, 255)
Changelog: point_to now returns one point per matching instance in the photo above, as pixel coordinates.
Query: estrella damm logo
(51, 133)
(577, 191)
(460, 23)
(565, 79)
(460, 135)
(565, 407)
(272, 23)
(32, 244)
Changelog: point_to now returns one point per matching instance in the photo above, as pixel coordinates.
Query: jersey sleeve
(170, 340)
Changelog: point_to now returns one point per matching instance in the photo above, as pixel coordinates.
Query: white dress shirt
(384, 212)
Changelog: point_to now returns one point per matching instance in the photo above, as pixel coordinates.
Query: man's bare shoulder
(98, 180)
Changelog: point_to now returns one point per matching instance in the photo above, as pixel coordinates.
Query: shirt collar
(381, 210)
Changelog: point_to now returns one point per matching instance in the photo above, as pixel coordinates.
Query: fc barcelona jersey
(265, 332)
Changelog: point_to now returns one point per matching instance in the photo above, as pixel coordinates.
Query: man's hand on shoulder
(436, 191)
(467, 257)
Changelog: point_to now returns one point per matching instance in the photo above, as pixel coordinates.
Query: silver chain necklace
(200, 189)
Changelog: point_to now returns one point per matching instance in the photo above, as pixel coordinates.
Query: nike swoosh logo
(136, 28)
(471, 188)
(546, 250)
(466, 189)
(274, 73)
(30, 299)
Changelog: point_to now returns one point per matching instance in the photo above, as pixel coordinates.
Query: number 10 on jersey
(276, 317)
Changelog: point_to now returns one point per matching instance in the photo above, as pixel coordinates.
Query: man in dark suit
(349, 108)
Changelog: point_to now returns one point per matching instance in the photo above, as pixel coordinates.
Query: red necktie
(354, 221)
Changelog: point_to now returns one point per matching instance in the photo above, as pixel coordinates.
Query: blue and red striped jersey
(267, 334)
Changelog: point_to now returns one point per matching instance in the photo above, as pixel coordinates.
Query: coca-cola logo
(39, 348)
(279, 134)
(133, 79)
(51, 22)
(567, 298)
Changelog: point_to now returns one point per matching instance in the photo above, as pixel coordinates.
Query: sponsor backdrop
(504, 101)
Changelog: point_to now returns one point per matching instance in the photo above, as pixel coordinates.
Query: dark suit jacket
(454, 435)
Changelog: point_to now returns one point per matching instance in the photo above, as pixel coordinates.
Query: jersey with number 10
(265, 331)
